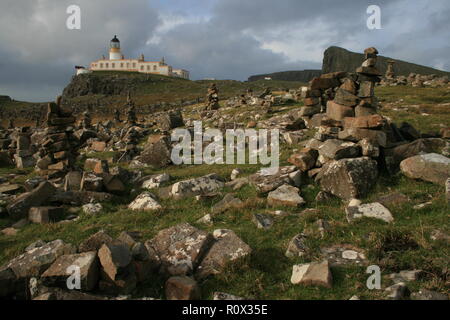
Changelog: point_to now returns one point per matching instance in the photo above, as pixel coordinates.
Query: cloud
(225, 39)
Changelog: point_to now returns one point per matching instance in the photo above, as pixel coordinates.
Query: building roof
(115, 39)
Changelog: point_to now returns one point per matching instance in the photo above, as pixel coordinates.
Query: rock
(304, 160)
(368, 122)
(72, 181)
(285, 195)
(145, 201)
(157, 153)
(197, 186)
(376, 137)
(182, 288)
(20, 207)
(114, 257)
(262, 221)
(221, 296)
(393, 199)
(228, 202)
(43, 215)
(235, 173)
(92, 208)
(10, 188)
(354, 298)
(431, 167)
(338, 149)
(344, 255)
(312, 274)
(98, 146)
(424, 294)
(354, 203)
(338, 112)
(9, 232)
(297, 246)
(405, 276)
(180, 248)
(37, 244)
(323, 197)
(269, 180)
(369, 149)
(139, 252)
(170, 120)
(396, 291)
(155, 181)
(439, 235)
(227, 247)
(91, 182)
(34, 262)
(348, 178)
(113, 184)
(95, 242)
(369, 210)
(60, 271)
(206, 219)
(345, 98)
(420, 146)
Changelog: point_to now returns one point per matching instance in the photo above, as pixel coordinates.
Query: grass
(265, 274)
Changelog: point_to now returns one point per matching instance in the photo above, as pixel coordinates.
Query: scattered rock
(425, 294)
(431, 167)
(297, 246)
(369, 210)
(312, 274)
(145, 201)
(263, 221)
(182, 288)
(285, 195)
(92, 208)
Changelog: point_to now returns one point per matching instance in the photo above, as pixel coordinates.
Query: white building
(117, 62)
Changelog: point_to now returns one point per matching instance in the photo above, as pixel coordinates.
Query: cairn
(24, 155)
(86, 121)
(212, 98)
(58, 152)
(131, 111)
(6, 152)
(390, 74)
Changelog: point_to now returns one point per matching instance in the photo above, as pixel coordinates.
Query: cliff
(301, 76)
(340, 59)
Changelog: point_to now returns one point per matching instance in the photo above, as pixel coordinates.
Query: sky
(222, 39)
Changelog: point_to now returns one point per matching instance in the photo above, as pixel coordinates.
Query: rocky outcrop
(339, 59)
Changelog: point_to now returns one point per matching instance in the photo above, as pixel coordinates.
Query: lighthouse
(114, 49)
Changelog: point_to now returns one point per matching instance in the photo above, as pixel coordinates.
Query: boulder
(197, 186)
(267, 180)
(145, 201)
(431, 167)
(262, 221)
(285, 195)
(424, 294)
(312, 274)
(60, 270)
(356, 134)
(304, 160)
(369, 210)
(157, 153)
(34, 262)
(345, 98)
(297, 246)
(155, 181)
(227, 247)
(180, 248)
(114, 257)
(348, 178)
(338, 112)
(337, 149)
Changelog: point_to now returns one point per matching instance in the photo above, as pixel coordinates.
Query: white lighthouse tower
(114, 50)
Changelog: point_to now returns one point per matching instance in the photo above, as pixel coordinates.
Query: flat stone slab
(370, 210)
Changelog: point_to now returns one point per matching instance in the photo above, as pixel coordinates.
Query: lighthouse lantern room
(114, 51)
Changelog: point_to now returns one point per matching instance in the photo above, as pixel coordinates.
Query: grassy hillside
(403, 245)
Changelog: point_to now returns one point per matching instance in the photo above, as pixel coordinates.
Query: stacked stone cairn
(86, 121)
(212, 98)
(351, 134)
(58, 152)
(131, 112)
(5, 149)
(24, 153)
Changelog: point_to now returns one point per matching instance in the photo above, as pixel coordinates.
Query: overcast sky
(223, 39)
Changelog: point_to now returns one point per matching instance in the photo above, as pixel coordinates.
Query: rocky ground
(353, 190)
